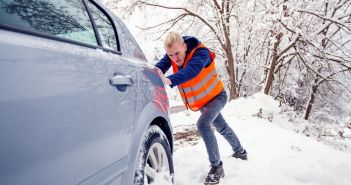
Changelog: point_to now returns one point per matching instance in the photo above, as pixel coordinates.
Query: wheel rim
(157, 166)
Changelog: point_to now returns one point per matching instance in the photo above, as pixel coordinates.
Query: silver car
(79, 103)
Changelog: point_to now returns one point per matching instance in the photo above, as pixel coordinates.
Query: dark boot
(215, 174)
(240, 155)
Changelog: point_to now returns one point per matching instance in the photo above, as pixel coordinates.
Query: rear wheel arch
(149, 115)
(165, 127)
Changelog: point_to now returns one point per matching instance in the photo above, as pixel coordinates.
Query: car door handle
(121, 80)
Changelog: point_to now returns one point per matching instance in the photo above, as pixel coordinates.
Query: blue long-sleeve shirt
(200, 59)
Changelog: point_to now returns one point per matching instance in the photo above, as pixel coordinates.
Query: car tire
(155, 164)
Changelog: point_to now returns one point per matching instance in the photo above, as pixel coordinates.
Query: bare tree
(321, 43)
(330, 56)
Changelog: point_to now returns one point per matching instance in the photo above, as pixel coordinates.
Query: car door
(67, 99)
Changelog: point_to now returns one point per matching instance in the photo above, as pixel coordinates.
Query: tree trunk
(240, 82)
(311, 101)
(269, 78)
(228, 49)
(231, 73)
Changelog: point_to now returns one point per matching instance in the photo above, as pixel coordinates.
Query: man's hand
(159, 71)
(165, 80)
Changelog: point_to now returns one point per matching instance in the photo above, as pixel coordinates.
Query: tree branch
(328, 78)
(174, 20)
(337, 22)
(292, 43)
(190, 13)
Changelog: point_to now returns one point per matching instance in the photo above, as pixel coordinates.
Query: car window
(62, 18)
(104, 27)
(129, 47)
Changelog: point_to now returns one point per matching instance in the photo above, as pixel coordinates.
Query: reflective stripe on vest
(202, 94)
(203, 87)
(202, 83)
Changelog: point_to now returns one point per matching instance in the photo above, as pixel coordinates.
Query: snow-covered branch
(190, 13)
(336, 21)
(173, 21)
(289, 46)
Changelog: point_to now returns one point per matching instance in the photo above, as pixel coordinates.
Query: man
(195, 75)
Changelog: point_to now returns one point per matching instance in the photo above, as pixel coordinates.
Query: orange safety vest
(198, 91)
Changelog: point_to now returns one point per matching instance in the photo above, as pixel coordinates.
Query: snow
(347, 132)
(175, 103)
(246, 107)
(276, 155)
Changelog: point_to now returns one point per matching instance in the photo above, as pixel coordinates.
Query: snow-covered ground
(277, 155)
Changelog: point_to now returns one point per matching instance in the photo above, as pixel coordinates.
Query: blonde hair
(172, 38)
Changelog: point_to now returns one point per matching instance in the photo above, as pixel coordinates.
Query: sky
(276, 154)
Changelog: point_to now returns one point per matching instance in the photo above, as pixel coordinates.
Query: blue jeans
(211, 114)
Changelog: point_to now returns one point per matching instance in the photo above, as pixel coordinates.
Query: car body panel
(61, 121)
(48, 95)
